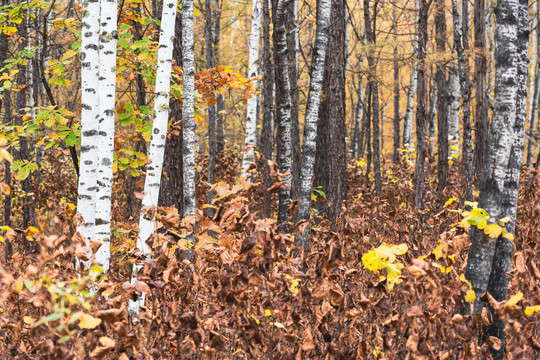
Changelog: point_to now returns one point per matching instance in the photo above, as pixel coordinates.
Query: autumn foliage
(248, 293)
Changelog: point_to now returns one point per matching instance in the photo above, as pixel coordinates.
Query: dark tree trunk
(210, 10)
(7, 173)
(442, 99)
(370, 37)
(172, 183)
(283, 113)
(480, 69)
(330, 162)
(421, 107)
(395, 155)
(267, 134)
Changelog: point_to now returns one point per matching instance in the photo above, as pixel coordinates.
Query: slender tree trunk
(311, 119)
(533, 114)
(512, 161)
(159, 126)
(453, 107)
(284, 113)
(7, 172)
(395, 156)
(364, 137)
(293, 45)
(267, 134)
(330, 160)
(107, 104)
(159, 135)
(480, 68)
(432, 114)
(370, 35)
(408, 122)
(87, 192)
(171, 189)
(442, 99)
(188, 109)
(489, 260)
(251, 118)
(24, 147)
(358, 115)
(421, 108)
(461, 40)
(212, 146)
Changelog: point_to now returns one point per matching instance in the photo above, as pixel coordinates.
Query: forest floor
(247, 294)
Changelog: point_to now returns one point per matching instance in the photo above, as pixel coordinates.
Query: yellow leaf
(514, 299)
(482, 224)
(470, 296)
(28, 320)
(450, 201)
(492, 230)
(508, 235)
(267, 313)
(529, 310)
(88, 322)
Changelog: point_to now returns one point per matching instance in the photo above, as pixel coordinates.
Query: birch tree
(453, 106)
(188, 108)
(267, 133)
(251, 119)
(106, 115)
(86, 197)
(283, 113)
(489, 259)
(461, 40)
(311, 119)
(159, 134)
(408, 122)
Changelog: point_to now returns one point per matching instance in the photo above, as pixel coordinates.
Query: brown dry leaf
(95, 245)
(494, 342)
(107, 342)
(110, 315)
(308, 344)
(412, 342)
(82, 253)
(141, 286)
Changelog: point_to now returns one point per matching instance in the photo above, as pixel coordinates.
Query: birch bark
(251, 120)
(284, 113)
(408, 122)
(159, 136)
(500, 176)
(311, 119)
(188, 109)
(107, 92)
(86, 197)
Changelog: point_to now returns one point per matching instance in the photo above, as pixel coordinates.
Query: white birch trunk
(311, 119)
(530, 93)
(107, 92)
(159, 135)
(453, 107)
(251, 119)
(408, 122)
(86, 196)
(188, 108)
